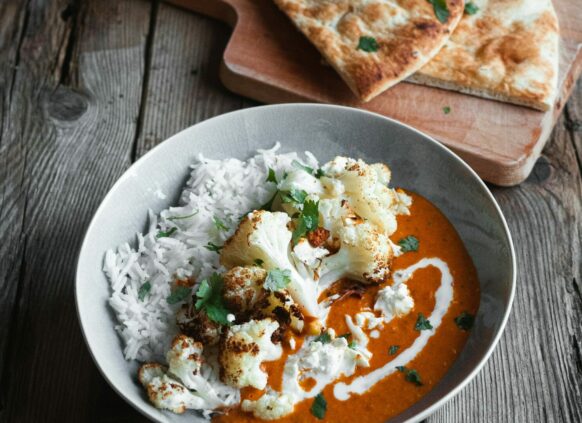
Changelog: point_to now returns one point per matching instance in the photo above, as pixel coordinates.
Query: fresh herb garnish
(258, 262)
(368, 44)
(409, 243)
(345, 335)
(353, 345)
(178, 294)
(209, 298)
(446, 110)
(219, 224)
(324, 338)
(319, 406)
(277, 279)
(441, 10)
(318, 173)
(422, 323)
(465, 321)
(164, 234)
(307, 220)
(213, 247)
(271, 177)
(471, 8)
(411, 375)
(393, 349)
(144, 290)
(294, 196)
(183, 217)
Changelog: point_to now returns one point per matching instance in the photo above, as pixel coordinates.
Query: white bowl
(418, 163)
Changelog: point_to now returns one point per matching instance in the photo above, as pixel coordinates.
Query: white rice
(224, 189)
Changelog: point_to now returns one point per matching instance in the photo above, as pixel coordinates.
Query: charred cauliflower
(243, 288)
(196, 324)
(365, 255)
(366, 190)
(271, 406)
(242, 350)
(265, 236)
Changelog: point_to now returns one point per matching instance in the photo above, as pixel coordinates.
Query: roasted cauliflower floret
(265, 236)
(271, 406)
(196, 324)
(243, 288)
(367, 192)
(365, 255)
(280, 306)
(242, 350)
(307, 254)
(167, 393)
(185, 360)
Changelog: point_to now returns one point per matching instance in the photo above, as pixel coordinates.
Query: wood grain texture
(183, 85)
(67, 135)
(97, 86)
(535, 373)
(269, 60)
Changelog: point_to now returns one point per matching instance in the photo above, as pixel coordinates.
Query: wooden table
(87, 87)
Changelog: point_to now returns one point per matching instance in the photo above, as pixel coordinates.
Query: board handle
(223, 10)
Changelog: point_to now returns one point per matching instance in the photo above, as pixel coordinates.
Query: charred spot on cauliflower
(280, 306)
(242, 350)
(197, 324)
(243, 288)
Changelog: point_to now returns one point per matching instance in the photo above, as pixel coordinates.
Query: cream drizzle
(443, 296)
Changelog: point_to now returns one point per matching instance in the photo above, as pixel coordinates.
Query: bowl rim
(287, 107)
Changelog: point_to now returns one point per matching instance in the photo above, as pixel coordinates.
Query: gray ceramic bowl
(418, 163)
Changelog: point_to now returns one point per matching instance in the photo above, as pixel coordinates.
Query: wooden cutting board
(267, 59)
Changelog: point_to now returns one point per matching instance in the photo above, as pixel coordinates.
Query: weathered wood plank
(68, 143)
(535, 373)
(12, 22)
(183, 83)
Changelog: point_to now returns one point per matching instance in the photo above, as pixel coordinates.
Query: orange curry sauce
(394, 394)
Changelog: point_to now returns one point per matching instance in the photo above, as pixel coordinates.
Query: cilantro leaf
(324, 338)
(465, 321)
(411, 375)
(271, 177)
(277, 279)
(296, 196)
(319, 406)
(301, 166)
(317, 173)
(446, 110)
(471, 8)
(307, 221)
(179, 293)
(164, 234)
(183, 217)
(219, 224)
(258, 262)
(213, 247)
(441, 10)
(353, 345)
(209, 299)
(409, 243)
(393, 349)
(368, 44)
(144, 290)
(422, 323)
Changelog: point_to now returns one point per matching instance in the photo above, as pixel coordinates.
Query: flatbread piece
(507, 50)
(374, 44)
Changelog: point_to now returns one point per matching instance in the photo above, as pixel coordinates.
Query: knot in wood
(66, 104)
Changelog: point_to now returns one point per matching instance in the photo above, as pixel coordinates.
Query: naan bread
(407, 34)
(507, 51)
